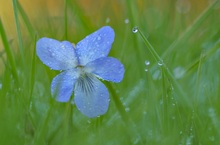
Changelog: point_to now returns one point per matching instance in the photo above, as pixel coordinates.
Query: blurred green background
(170, 92)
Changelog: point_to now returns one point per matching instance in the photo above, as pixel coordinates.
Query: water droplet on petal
(99, 38)
(135, 30)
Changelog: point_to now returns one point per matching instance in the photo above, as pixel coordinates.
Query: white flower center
(85, 82)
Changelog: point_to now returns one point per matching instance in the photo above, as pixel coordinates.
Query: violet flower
(81, 66)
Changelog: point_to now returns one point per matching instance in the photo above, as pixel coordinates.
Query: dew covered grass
(170, 93)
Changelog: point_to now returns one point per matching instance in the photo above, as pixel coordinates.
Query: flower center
(85, 82)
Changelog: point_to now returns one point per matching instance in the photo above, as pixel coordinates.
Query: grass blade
(21, 49)
(166, 70)
(8, 51)
(26, 20)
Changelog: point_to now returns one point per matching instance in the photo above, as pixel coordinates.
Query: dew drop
(0, 86)
(147, 62)
(31, 104)
(126, 21)
(160, 63)
(146, 69)
(127, 109)
(99, 38)
(183, 6)
(107, 20)
(135, 30)
(212, 138)
(178, 72)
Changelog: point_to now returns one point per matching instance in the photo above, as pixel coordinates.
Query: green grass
(176, 103)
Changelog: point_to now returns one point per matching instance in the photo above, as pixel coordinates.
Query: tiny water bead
(146, 69)
(183, 6)
(126, 21)
(160, 63)
(135, 30)
(178, 72)
(107, 20)
(127, 109)
(147, 62)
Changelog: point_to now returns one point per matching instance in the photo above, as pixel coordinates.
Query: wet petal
(55, 54)
(91, 96)
(95, 45)
(107, 68)
(63, 84)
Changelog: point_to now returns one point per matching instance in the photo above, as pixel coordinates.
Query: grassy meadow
(170, 94)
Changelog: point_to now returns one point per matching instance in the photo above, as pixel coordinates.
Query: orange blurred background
(92, 9)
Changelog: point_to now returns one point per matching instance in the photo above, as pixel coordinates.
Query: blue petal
(91, 96)
(63, 84)
(95, 45)
(57, 55)
(107, 68)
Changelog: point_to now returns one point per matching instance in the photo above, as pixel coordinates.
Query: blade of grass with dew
(132, 13)
(167, 71)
